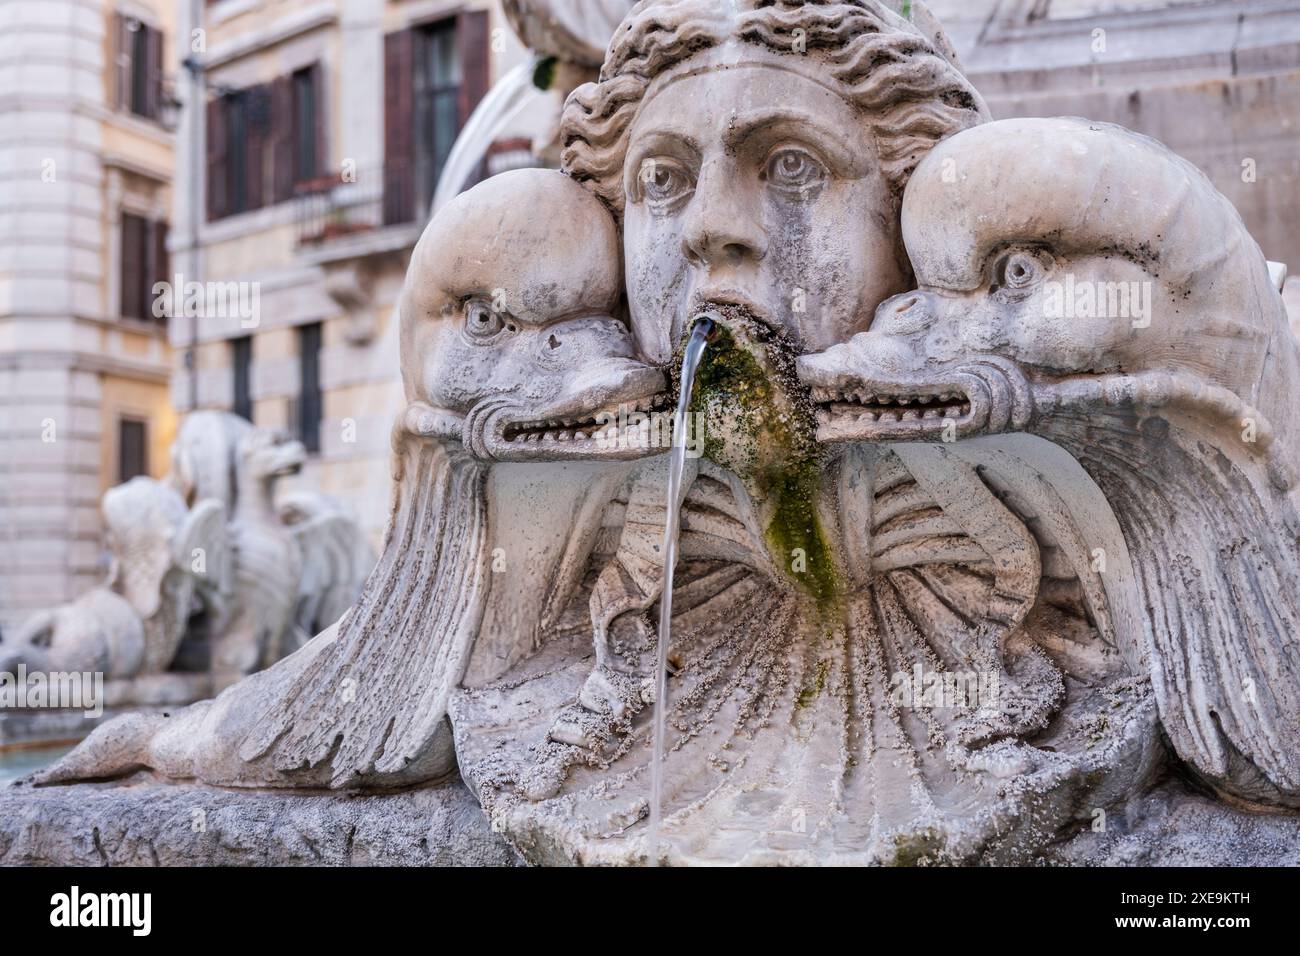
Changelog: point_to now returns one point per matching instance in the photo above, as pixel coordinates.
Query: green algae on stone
(809, 693)
(753, 425)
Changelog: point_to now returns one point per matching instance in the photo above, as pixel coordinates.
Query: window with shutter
(309, 390)
(161, 263)
(474, 46)
(437, 95)
(306, 125)
(399, 149)
(132, 448)
(282, 138)
(134, 263)
(153, 73)
(144, 263)
(241, 363)
(237, 152)
(137, 75)
(216, 158)
(256, 104)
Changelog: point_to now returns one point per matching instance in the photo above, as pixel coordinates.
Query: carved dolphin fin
(374, 703)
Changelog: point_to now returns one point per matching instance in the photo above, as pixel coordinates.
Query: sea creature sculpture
(511, 352)
(134, 622)
(1080, 282)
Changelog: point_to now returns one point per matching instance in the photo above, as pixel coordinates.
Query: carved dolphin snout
(892, 348)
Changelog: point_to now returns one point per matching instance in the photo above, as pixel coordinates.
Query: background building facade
(309, 137)
(309, 176)
(85, 199)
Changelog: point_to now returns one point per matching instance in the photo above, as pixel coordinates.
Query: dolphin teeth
(889, 416)
(548, 437)
(867, 417)
(580, 436)
(912, 415)
(933, 412)
(905, 399)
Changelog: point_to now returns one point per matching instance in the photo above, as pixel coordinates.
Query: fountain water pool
(18, 762)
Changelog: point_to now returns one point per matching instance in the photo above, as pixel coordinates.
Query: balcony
(340, 207)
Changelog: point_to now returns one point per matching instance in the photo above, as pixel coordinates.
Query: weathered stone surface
(146, 823)
(964, 568)
(154, 825)
(1174, 826)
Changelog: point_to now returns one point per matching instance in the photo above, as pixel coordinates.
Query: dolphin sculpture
(1082, 283)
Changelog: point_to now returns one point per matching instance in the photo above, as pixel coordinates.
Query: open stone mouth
(606, 424)
(864, 404)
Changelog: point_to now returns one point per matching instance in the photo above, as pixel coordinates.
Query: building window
(143, 263)
(132, 448)
(263, 141)
(437, 100)
(138, 83)
(237, 165)
(434, 77)
(241, 361)
(305, 125)
(309, 392)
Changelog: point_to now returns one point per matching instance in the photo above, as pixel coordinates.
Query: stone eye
(794, 169)
(663, 181)
(1021, 270)
(482, 322)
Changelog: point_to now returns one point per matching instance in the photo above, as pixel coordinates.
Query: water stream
(701, 332)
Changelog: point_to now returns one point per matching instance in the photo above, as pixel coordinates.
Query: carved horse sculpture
(267, 563)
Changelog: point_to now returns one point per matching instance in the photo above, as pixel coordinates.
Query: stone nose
(583, 340)
(906, 312)
(722, 227)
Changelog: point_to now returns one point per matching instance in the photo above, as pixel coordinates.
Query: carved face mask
(508, 336)
(780, 207)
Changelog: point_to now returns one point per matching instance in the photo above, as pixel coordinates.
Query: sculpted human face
(756, 186)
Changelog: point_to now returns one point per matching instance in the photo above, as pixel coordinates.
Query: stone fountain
(987, 553)
(213, 576)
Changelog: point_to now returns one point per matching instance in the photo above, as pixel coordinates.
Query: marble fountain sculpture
(992, 537)
(209, 538)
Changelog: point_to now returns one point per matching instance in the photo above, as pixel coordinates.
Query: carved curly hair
(911, 94)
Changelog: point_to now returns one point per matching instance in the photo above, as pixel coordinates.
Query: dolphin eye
(1020, 270)
(484, 323)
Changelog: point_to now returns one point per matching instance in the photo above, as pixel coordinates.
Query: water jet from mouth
(701, 333)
